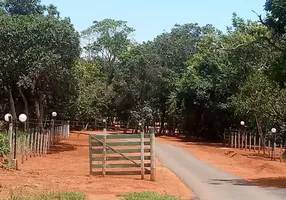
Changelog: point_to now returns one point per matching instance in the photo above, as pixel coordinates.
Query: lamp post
(242, 123)
(104, 149)
(8, 118)
(23, 119)
(273, 131)
(54, 114)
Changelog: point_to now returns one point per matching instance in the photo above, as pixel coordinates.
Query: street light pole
(8, 118)
(54, 114)
(273, 130)
(242, 123)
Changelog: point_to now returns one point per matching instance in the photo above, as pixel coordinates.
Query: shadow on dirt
(278, 182)
(263, 182)
(61, 147)
(193, 141)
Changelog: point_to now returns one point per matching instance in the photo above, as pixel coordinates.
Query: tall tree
(108, 40)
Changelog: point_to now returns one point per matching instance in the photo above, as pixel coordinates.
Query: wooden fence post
(68, 129)
(231, 144)
(42, 144)
(35, 143)
(281, 151)
(235, 140)
(31, 143)
(153, 154)
(245, 141)
(10, 140)
(250, 138)
(238, 139)
(259, 144)
(142, 152)
(53, 135)
(269, 150)
(274, 150)
(49, 141)
(104, 151)
(28, 145)
(254, 143)
(23, 146)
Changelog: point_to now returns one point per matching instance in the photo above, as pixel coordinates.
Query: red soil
(66, 168)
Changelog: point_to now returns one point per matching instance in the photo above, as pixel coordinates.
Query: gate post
(153, 154)
(104, 150)
(142, 151)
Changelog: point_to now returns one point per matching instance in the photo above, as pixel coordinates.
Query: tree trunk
(12, 105)
(37, 111)
(42, 102)
(260, 132)
(162, 126)
(26, 125)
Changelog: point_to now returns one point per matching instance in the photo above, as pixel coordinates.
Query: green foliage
(4, 145)
(148, 196)
(37, 57)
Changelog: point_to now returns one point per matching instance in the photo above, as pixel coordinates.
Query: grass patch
(53, 196)
(148, 196)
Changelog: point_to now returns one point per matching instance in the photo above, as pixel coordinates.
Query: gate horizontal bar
(96, 144)
(120, 165)
(109, 151)
(120, 173)
(113, 158)
(120, 136)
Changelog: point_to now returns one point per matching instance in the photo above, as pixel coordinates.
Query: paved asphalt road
(211, 183)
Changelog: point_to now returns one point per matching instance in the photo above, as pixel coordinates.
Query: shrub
(4, 145)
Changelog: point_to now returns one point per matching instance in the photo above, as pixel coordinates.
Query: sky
(152, 17)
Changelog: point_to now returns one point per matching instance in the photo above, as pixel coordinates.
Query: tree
(108, 40)
(36, 58)
(27, 7)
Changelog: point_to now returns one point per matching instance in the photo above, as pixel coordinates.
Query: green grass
(53, 196)
(148, 196)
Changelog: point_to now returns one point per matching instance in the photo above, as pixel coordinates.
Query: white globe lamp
(23, 118)
(273, 130)
(242, 123)
(7, 117)
(54, 114)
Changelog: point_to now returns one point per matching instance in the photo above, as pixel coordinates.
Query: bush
(4, 145)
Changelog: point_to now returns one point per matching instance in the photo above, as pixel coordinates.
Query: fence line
(238, 139)
(34, 142)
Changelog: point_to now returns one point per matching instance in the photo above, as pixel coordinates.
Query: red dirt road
(67, 169)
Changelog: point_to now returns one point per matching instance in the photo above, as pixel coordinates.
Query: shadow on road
(240, 182)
